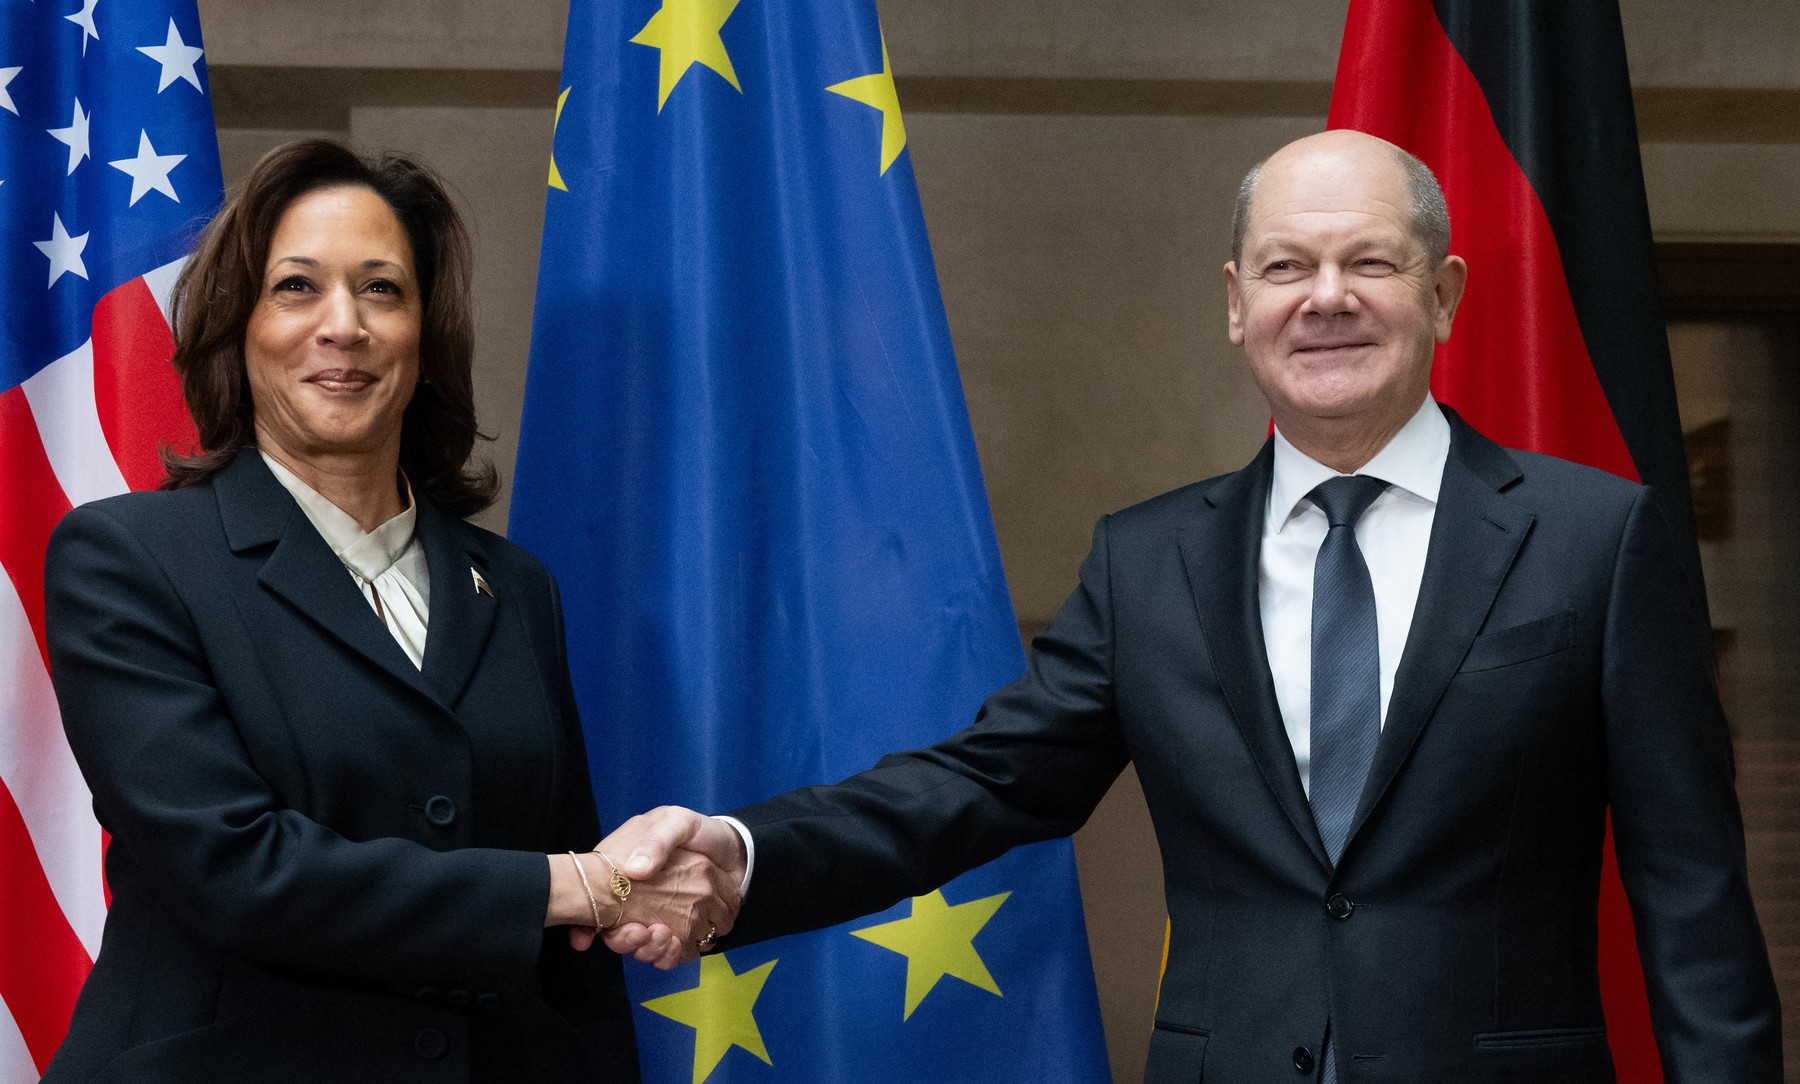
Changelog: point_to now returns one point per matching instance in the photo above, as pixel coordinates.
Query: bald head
(1430, 217)
(1341, 295)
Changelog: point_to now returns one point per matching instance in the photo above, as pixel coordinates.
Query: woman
(327, 723)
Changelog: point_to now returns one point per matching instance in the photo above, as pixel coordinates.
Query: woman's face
(332, 347)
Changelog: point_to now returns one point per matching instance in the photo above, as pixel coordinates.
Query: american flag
(108, 167)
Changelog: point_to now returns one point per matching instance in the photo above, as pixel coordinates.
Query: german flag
(1523, 109)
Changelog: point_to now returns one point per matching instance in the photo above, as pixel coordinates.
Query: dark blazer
(1555, 665)
(325, 863)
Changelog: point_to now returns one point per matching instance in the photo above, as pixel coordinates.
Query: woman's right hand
(681, 873)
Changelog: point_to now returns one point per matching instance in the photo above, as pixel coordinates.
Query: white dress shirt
(388, 563)
(1393, 535)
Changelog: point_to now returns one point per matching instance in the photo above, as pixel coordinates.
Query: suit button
(430, 1044)
(1339, 907)
(459, 998)
(1303, 1060)
(440, 811)
(488, 1000)
(429, 993)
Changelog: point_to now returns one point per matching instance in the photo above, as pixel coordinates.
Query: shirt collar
(363, 551)
(1413, 460)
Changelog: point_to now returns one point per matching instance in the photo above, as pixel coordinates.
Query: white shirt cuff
(743, 832)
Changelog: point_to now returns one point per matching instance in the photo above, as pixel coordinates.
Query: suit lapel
(301, 569)
(461, 615)
(1221, 552)
(1475, 536)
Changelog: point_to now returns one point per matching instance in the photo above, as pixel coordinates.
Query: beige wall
(1682, 43)
(1078, 243)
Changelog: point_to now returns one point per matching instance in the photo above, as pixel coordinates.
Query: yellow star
(938, 940)
(556, 180)
(721, 1012)
(687, 32)
(878, 91)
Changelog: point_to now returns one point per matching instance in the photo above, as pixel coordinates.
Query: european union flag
(746, 456)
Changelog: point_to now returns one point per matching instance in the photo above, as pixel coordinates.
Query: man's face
(1334, 300)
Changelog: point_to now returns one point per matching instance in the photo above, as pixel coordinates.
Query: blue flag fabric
(746, 456)
(109, 166)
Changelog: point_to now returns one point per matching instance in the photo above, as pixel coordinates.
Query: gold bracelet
(593, 904)
(621, 884)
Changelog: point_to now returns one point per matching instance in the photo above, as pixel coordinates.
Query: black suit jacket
(326, 864)
(1555, 665)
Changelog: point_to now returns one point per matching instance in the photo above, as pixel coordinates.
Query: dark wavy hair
(221, 283)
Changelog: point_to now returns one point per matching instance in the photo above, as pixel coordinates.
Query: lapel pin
(481, 585)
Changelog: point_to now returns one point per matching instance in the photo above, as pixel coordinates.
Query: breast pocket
(1177, 1055)
(1521, 643)
(1576, 1055)
(1538, 1038)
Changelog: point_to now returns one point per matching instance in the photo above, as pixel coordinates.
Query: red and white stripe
(86, 426)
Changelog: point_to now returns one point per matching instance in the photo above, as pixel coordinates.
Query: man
(1378, 719)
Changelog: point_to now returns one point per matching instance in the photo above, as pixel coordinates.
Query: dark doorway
(1734, 332)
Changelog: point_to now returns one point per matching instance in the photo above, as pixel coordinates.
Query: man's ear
(1234, 301)
(1452, 277)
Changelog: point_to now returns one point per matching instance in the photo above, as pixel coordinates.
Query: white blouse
(388, 563)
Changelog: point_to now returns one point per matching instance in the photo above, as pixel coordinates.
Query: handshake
(663, 888)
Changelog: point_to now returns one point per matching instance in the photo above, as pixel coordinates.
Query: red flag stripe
(66, 440)
(42, 963)
(1551, 400)
(37, 765)
(1400, 77)
(137, 394)
(32, 502)
(82, 428)
(68, 426)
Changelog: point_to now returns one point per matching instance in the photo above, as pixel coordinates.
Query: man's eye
(1373, 266)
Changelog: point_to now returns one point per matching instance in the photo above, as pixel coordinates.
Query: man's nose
(1331, 291)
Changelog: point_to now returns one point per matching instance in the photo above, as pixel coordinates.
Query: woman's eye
(385, 286)
(292, 283)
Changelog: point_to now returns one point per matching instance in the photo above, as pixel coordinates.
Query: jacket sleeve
(1676, 824)
(1038, 758)
(174, 783)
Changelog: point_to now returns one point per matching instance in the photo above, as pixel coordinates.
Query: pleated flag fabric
(1523, 109)
(109, 166)
(746, 456)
